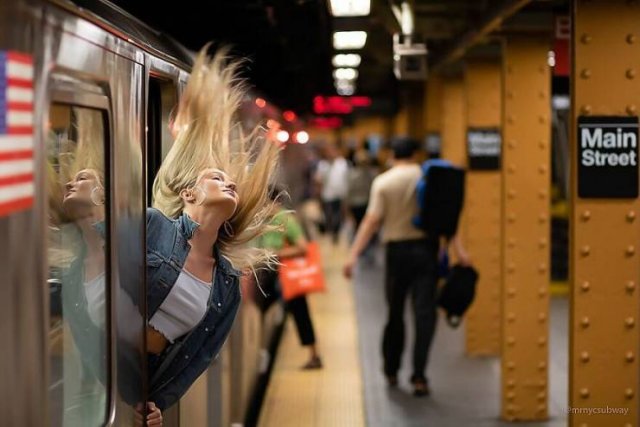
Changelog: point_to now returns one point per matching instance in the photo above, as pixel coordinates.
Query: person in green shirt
(289, 241)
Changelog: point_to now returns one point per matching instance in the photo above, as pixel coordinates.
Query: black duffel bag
(457, 293)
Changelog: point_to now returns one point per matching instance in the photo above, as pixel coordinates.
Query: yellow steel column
(401, 122)
(526, 175)
(453, 122)
(483, 209)
(432, 116)
(433, 105)
(605, 230)
(414, 97)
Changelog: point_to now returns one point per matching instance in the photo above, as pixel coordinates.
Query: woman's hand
(154, 415)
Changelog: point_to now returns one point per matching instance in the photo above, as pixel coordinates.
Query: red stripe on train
(14, 206)
(25, 58)
(19, 82)
(17, 155)
(20, 106)
(16, 179)
(20, 130)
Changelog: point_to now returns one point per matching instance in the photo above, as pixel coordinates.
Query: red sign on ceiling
(339, 104)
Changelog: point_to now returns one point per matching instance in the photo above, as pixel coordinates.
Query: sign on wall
(432, 144)
(484, 148)
(607, 157)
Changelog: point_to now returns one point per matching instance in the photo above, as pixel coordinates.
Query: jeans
(411, 267)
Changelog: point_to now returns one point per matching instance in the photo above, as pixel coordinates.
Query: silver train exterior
(91, 56)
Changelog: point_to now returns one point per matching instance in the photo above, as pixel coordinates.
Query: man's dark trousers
(411, 266)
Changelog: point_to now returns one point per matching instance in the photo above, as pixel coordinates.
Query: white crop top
(183, 308)
(94, 292)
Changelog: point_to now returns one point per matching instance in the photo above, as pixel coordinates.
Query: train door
(94, 241)
(162, 100)
(78, 254)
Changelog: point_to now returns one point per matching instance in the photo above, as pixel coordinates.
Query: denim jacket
(181, 363)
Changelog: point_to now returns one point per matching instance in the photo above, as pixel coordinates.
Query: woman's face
(218, 189)
(83, 191)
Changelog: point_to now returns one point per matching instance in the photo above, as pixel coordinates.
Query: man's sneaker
(420, 386)
(392, 380)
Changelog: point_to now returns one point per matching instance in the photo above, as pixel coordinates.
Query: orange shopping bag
(302, 275)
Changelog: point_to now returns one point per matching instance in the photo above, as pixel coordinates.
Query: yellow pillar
(526, 181)
(432, 115)
(415, 102)
(401, 122)
(453, 122)
(605, 231)
(483, 208)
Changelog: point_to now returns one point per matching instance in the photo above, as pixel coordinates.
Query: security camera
(409, 58)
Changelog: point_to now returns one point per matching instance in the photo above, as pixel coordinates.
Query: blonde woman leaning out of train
(211, 199)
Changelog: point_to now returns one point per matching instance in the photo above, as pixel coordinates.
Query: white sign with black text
(607, 157)
(432, 144)
(484, 148)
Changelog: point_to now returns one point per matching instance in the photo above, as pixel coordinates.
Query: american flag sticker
(16, 132)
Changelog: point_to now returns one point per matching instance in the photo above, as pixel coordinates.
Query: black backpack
(457, 293)
(440, 194)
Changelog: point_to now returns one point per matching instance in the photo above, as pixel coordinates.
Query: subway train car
(87, 94)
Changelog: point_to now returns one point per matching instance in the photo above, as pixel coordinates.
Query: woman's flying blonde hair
(210, 135)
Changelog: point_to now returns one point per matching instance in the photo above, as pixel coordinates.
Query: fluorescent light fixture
(350, 7)
(345, 87)
(345, 91)
(345, 74)
(349, 39)
(346, 60)
(343, 83)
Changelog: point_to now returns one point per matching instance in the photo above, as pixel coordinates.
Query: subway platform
(351, 390)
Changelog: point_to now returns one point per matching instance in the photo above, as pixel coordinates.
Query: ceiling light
(551, 58)
(282, 136)
(350, 7)
(338, 83)
(346, 60)
(302, 137)
(345, 87)
(346, 91)
(345, 74)
(349, 39)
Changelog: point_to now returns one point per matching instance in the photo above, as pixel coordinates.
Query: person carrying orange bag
(290, 245)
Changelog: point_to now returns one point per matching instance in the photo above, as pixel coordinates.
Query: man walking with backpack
(411, 261)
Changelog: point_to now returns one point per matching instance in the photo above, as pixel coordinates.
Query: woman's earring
(97, 196)
(228, 229)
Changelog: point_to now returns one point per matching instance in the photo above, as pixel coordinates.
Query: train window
(77, 190)
(160, 107)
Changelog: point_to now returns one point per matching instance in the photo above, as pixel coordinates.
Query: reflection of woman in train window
(83, 202)
(210, 196)
(83, 295)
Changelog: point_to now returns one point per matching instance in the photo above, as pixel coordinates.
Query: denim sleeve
(201, 360)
